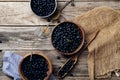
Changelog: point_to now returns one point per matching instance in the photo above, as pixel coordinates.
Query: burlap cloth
(104, 51)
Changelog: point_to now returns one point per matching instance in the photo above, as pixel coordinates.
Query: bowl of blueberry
(38, 68)
(43, 8)
(67, 38)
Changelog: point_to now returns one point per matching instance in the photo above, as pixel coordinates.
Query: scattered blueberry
(0, 42)
(48, 19)
(43, 7)
(58, 57)
(35, 69)
(70, 74)
(72, 3)
(66, 37)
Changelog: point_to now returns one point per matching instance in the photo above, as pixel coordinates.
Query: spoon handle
(66, 5)
(92, 38)
(89, 42)
(63, 71)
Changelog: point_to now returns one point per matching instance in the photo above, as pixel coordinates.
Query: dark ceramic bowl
(49, 72)
(38, 8)
(56, 43)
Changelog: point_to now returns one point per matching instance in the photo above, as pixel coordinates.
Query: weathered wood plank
(22, 39)
(56, 63)
(19, 13)
(76, 78)
(87, 78)
(3, 77)
(26, 45)
(17, 29)
(23, 33)
(79, 72)
(80, 69)
(57, 0)
(17, 46)
(17, 38)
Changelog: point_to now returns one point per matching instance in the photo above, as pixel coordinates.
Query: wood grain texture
(78, 72)
(20, 13)
(21, 33)
(58, 0)
(25, 38)
(18, 25)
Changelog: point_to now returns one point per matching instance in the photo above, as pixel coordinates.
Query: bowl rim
(47, 15)
(49, 72)
(82, 41)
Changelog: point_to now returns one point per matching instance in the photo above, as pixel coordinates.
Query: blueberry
(43, 7)
(35, 69)
(0, 42)
(67, 37)
(58, 57)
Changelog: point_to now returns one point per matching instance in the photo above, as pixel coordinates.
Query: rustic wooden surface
(18, 25)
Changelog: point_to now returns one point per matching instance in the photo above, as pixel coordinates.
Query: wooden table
(18, 25)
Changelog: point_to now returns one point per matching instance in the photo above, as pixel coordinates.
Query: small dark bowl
(49, 72)
(78, 47)
(38, 13)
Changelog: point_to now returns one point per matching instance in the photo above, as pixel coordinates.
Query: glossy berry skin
(67, 37)
(43, 8)
(35, 69)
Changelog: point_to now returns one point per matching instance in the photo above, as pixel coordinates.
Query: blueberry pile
(43, 7)
(35, 69)
(66, 68)
(67, 37)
